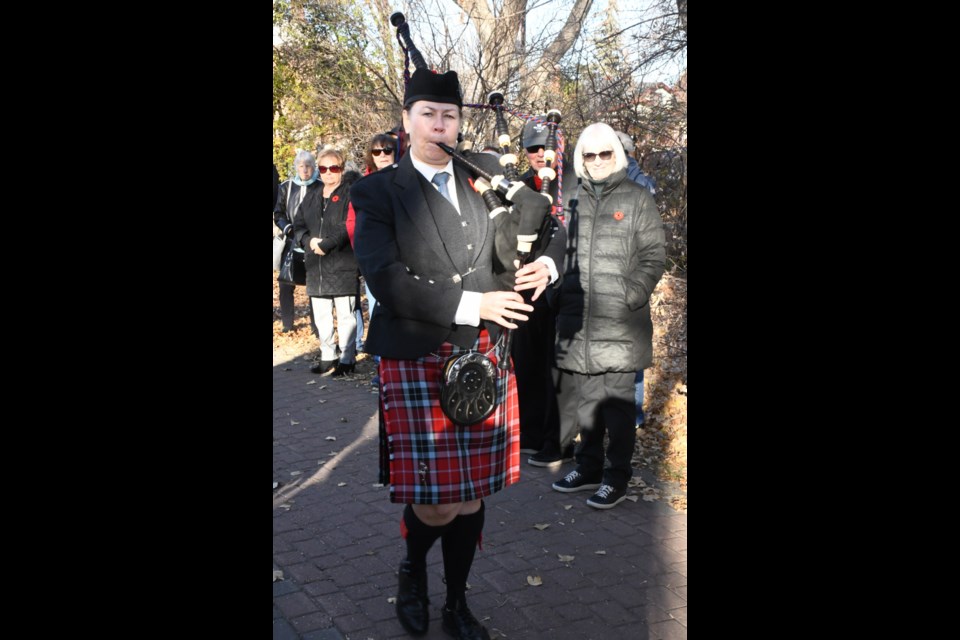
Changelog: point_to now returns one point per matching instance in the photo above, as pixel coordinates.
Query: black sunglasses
(604, 155)
(536, 149)
(333, 169)
(377, 152)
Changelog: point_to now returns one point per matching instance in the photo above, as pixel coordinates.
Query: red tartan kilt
(433, 460)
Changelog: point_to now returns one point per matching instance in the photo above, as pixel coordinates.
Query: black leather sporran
(468, 388)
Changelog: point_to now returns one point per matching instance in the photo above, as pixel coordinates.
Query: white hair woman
(604, 330)
(289, 196)
(604, 153)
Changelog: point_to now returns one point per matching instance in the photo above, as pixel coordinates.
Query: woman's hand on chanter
(535, 275)
(502, 306)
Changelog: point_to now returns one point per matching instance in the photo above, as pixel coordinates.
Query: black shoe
(343, 369)
(576, 481)
(413, 605)
(323, 367)
(460, 623)
(549, 457)
(607, 497)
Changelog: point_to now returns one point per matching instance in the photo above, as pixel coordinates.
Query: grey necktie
(440, 179)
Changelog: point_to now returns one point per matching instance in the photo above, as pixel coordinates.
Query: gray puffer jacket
(615, 257)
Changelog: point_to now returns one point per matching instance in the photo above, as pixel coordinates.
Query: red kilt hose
(433, 460)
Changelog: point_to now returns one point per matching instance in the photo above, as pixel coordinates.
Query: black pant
(600, 404)
(532, 351)
(286, 308)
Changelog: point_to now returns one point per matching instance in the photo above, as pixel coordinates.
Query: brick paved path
(338, 547)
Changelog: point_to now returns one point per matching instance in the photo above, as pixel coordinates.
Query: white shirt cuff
(469, 310)
(547, 260)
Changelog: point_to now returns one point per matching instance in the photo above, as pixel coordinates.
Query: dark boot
(325, 366)
(343, 370)
(460, 623)
(412, 601)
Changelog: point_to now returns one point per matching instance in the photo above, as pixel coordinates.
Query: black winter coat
(289, 192)
(333, 274)
(615, 257)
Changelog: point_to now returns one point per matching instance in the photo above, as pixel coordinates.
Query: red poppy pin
(618, 215)
(337, 199)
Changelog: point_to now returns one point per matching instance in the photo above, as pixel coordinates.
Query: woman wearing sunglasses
(380, 154)
(605, 335)
(321, 229)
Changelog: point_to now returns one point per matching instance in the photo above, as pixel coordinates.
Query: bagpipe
(521, 217)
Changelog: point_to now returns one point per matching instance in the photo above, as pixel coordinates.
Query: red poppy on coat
(618, 215)
(336, 198)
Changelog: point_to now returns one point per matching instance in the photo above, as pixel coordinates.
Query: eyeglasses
(332, 169)
(538, 148)
(386, 152)
(604, 155)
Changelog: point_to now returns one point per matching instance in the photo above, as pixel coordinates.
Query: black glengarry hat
(434, 87)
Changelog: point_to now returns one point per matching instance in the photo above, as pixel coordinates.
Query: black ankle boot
(412, 602)
(342, 369)
(460, 623)
(325, 366)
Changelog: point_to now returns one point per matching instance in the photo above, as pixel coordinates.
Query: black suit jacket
(418, 257)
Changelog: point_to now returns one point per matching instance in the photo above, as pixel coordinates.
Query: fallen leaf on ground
(295, 473)
(600, 553)
(563, 558)
(321, 401)
(633, 498)
(277, 575)
(341, 484)
(312, 382)
(541, 526)
(392, 600)
(534, 581)
(292, 422)
(330, 438)
(568, 506)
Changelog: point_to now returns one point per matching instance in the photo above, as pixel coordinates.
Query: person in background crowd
(533, 342)
(276, 182)
(634, 172)
(321, 229)
(289, 196)
(615, 258)
(379, 155)
(647, 182)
